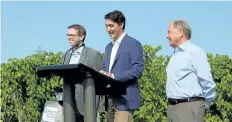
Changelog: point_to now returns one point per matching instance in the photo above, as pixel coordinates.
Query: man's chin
(171, 44)
(114, 38)
(111, 37)
(72, 45)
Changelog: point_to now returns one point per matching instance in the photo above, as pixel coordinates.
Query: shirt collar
(77, 51)
(183, 46)
(119, 40)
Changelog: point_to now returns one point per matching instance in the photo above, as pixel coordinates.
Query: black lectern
(94, 83)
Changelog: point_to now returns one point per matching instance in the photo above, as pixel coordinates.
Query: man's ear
(82, 37)
(181, 33)
(121, 25)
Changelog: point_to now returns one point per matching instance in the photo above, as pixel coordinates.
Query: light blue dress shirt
(189, 74)
(75, 55)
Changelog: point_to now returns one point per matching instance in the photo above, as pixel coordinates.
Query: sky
(29, 26)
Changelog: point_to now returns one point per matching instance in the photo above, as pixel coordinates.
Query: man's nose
(167, 36)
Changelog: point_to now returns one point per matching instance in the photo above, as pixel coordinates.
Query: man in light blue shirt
(190, 88)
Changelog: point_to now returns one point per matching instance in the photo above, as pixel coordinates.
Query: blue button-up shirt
(189, 75)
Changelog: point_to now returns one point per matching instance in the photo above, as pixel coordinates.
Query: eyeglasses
(71, 35)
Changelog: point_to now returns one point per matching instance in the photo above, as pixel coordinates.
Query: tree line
(23, 94)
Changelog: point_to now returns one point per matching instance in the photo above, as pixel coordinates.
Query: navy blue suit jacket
(128, 67)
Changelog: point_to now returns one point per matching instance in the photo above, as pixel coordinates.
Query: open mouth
(111, 33)
(71, 41)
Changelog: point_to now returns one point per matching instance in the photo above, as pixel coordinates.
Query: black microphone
(66, 54)
(72, 48)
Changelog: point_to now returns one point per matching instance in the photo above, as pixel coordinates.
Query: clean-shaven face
(173, 35)
(73, 38)
(114, 29)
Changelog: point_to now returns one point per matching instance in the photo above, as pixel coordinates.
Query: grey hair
(183, 25)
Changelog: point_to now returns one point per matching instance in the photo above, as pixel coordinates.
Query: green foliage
(23, 94)
(152, 85)
(221, 111)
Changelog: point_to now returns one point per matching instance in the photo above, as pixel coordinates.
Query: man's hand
(106, 73)
(207, 106)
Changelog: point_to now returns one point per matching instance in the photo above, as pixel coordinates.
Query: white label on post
(49, 114)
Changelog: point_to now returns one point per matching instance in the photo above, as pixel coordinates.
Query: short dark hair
(81, 30)
(117, 16)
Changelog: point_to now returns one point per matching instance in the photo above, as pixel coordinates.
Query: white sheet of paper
(49, 114)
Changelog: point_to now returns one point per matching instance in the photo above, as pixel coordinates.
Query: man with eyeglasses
(79, 53)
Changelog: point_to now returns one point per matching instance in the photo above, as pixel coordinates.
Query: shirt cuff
(208, 104)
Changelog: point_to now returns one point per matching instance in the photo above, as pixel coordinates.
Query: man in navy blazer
(124, 62)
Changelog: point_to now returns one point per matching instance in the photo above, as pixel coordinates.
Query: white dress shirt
(115, 49)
